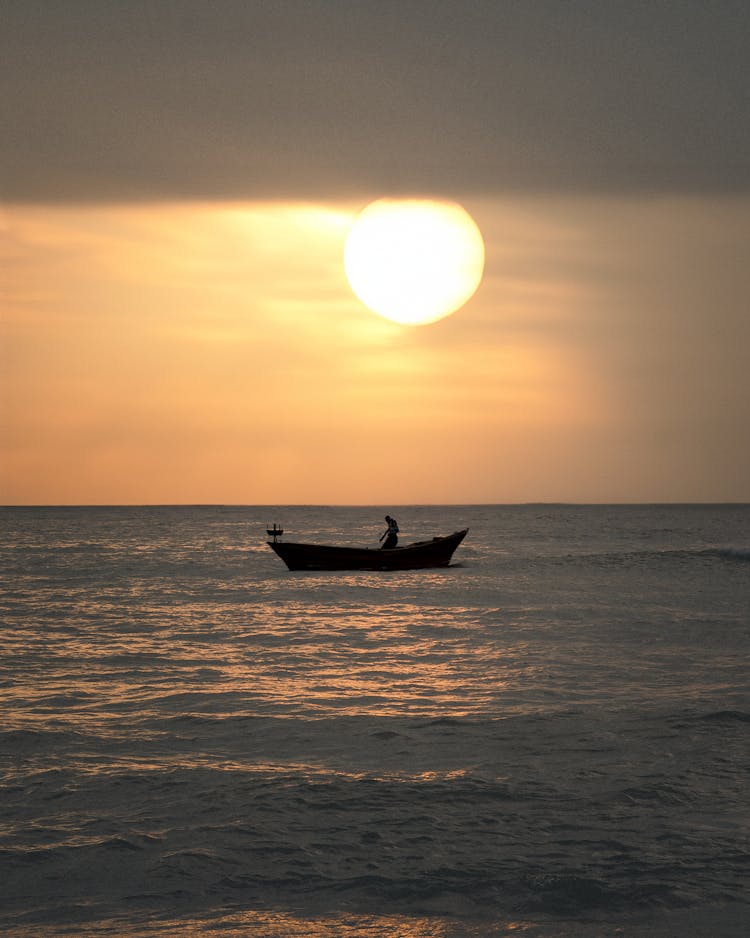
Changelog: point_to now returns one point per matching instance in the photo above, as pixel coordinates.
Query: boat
(423, 554)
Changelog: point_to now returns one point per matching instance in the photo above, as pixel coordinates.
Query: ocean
(547, 738)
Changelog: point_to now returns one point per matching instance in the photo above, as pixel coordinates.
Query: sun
(414, 261)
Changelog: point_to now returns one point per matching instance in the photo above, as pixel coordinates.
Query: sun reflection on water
(276, 924)
(341, 659)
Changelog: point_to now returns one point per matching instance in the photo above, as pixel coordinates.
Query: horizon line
(393, 505)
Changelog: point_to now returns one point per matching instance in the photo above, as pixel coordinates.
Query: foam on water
(548, 737)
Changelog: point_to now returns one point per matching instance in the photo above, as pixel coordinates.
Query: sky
(178, 180)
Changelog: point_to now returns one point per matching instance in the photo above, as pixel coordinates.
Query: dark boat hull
(422, 555)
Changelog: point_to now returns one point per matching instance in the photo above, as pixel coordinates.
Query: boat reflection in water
(423, 554)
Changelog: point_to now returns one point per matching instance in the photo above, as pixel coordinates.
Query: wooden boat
(423, 554)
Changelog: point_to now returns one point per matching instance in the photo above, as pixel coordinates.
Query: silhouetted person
(391, 535)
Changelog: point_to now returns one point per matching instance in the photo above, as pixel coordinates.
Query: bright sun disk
(414, 261)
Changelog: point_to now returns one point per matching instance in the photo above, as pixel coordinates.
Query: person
(391, 535)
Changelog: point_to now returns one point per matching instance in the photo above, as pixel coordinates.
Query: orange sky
(214, 352)
(177, 184)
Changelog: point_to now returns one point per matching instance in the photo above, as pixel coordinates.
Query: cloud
(105, 101)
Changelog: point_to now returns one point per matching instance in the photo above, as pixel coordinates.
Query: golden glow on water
(441, 924)
(404, 659)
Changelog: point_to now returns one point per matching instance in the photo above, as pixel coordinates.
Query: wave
(233, 837)
(575, 894)
(726, 716)
(734, 554)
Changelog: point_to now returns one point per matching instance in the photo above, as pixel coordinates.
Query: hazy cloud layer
(145, 100)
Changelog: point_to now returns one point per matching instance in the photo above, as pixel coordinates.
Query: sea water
(549, 737)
